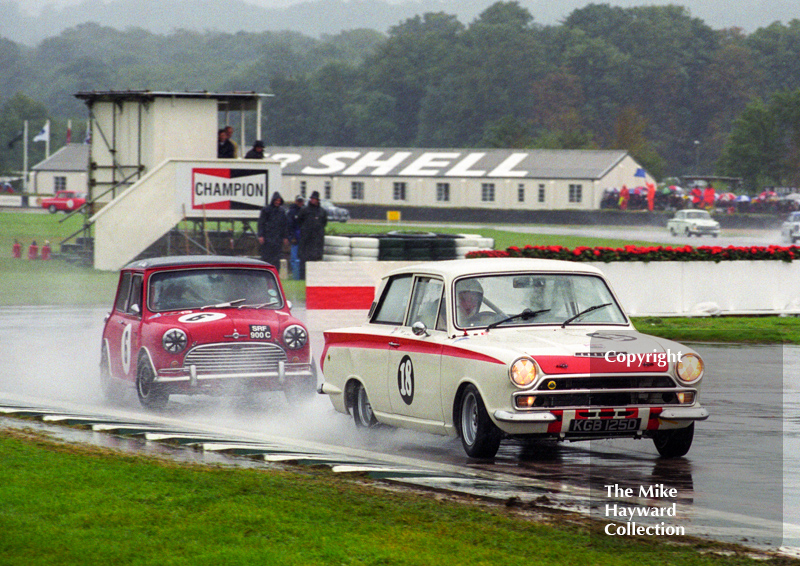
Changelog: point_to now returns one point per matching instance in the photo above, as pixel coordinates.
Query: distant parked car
(203, 324)
(335, 213)
(790, 230)
(65, 201)
(528, 348)
(693, 222)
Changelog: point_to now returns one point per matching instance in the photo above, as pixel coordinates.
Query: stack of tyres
(364, 248)
(337, 248)
(419, 247)
(391, 249)
(444, 247)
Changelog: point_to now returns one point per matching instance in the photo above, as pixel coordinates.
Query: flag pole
(47, 141)
(25, 156)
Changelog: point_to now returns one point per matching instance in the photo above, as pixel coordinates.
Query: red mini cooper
(201, 324)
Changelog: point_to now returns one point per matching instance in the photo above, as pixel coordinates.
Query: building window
(487, 192)
(357, 190)
(399, 191)
(541, 192)
(575, 193)
(521, 192)
(327, 190)
(59, 183)
(442, 192)
(303, 189)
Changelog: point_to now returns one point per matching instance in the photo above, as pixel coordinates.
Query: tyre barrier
(404, 246)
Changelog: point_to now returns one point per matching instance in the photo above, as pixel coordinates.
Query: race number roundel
(201, 317)
(405, 380)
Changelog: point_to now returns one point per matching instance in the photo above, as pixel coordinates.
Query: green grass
(72, 504)
(502, 238)
(753, 330)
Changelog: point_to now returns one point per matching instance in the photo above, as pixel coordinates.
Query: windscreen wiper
(223, 305)
(583, 312)
(524, 315)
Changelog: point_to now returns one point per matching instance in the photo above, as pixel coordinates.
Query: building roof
(71, 157)
(455, 163)
(240, 100)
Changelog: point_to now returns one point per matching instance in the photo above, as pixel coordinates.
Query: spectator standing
(312, 220)
(257, 151)
(16, 250)
(46, 250)
(33, 250)
(224, 145)
(229, 133)
(273, 230)
(294, 234)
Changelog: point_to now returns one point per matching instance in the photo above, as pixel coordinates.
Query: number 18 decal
(405, 380)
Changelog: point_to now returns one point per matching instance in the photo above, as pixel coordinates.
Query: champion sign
(229, 189)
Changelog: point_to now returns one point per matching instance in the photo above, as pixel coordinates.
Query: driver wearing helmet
(469, 296)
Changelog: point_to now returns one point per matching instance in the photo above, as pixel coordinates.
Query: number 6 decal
(405, 380)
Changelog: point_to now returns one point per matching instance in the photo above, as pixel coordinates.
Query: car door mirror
(419, 329)
(135, 309)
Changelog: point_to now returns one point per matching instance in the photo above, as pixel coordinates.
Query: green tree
(13, 114)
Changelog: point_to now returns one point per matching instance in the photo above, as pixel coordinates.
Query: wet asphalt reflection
(740, 482)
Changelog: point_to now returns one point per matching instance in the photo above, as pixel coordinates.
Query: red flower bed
(649, 253)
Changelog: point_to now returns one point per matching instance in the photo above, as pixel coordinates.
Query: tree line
(682, 97)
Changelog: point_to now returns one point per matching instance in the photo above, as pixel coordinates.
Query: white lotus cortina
(492, 348)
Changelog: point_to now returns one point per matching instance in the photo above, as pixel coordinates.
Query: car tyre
(480, 437)
(673, 232)
(52, 209)
(674, 443)
(151, 396)
(687, 233)
(362, 409)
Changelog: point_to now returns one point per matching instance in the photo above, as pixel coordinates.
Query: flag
(15, 139)
(69, 134)
(639, 172)
(44, 134)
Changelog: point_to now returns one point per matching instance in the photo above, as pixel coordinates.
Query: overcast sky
(746, 14)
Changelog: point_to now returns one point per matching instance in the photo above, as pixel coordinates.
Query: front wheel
(674, 443)
(151, 396)
(480, 437)
(52, 209)
(362, 409)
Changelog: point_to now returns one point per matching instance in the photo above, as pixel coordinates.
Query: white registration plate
(604, 425)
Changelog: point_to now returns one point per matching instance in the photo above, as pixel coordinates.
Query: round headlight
(523, 372)
(295, 337)
(174, 340)
(689, 368)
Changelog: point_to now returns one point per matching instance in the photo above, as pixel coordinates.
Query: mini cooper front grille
(235, 358)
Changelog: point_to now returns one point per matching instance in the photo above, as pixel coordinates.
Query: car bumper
(559, 422)
(283, 373)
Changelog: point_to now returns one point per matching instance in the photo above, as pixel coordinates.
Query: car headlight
(689, 368)
(295, 337)
(174, 340)
(523, 372)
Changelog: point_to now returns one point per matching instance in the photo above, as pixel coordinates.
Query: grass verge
(745, 329)
(73, 504)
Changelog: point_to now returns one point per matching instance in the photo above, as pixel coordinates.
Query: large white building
(458, 178)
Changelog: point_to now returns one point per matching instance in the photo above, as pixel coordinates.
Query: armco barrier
(340, 293)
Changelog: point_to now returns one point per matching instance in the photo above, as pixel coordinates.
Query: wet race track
(739, 483)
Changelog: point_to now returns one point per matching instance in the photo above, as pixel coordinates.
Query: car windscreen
(698, 215)
(548, 298)
(195, 288)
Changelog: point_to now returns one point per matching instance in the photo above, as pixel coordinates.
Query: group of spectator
(33, 250)
(227, 148)
(301, 229)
